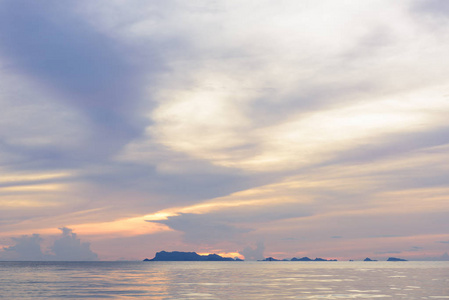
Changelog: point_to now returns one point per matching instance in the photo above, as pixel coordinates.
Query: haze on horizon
(261, 128)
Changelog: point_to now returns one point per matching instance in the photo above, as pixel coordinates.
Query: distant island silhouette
(188, 256)
(369, 259)
(322, 259)
(193, 256)
(395, 259)
(297, 259)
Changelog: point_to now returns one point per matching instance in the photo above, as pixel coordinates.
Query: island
(188, 256)
(269, 259)
(297, 259)
(395, 259)
(369, 259)
(305, 258)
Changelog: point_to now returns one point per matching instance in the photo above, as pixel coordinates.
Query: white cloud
(69, 247)
(274, 88)
(65, 248)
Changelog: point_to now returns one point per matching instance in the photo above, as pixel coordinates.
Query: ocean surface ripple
(224, 280)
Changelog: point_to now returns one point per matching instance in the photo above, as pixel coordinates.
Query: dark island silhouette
(305, 258)
(395, 259)
(297, 259)
(188, 256)
(369, 259)
(193, 256)
(322, 259)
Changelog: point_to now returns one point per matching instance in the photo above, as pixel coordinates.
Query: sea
(224, 280)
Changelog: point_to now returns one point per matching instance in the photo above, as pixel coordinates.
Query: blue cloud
(49, 42)
(199, 228)
(439, 8)
(67, 247)
(388, 252)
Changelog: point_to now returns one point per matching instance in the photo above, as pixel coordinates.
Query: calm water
(225, 280)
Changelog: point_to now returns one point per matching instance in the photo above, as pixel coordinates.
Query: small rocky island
(395, 259)
(369, 259)
(188, 256)
(305, 258)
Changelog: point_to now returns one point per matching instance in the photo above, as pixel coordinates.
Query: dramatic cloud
(222, 124)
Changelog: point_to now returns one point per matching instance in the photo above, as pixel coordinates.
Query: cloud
(443, 242)
(388, 252)
(25, 248)
(415, 249)
(55, 47)
(65, 248)
(443, 257)
(307, 121)
(436, 8)
(255, 253)
(257, 121)
(76, 93)
(203, 229)
(69, 247)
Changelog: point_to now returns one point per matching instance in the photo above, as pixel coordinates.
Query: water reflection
(224, 280)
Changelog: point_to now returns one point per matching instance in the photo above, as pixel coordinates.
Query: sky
(245, 128)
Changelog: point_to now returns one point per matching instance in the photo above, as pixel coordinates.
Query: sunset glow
(295, 128)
